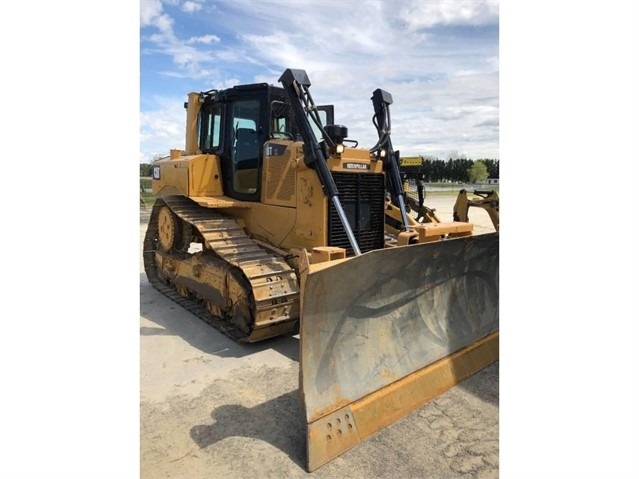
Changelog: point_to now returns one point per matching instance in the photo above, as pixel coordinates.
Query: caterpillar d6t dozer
(273, 222)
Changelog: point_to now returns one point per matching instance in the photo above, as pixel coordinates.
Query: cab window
(210, 128)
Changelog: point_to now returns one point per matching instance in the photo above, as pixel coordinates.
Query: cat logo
(357, 166)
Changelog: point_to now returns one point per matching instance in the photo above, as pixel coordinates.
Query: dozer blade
(385, 332)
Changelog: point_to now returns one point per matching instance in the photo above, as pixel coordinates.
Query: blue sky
(439, 60)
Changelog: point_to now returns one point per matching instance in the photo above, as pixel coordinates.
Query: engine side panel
(193, 175)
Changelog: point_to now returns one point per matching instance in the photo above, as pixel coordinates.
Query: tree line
(465, 170)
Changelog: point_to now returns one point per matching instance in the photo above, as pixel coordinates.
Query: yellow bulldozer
(272, 221)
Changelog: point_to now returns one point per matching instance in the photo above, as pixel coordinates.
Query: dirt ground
(212, 408)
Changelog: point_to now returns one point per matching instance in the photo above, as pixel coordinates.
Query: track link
(271, 286)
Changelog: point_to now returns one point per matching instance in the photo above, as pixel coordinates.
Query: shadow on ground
(171, 319)
(484, 384)
(266, 421)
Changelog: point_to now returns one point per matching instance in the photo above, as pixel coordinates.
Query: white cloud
(149, 11)
(429, 14)
(152, 15)
(205, 39)
(191, 7)
(163, 127)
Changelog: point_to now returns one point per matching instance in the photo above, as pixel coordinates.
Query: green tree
(146, 169)
(439, 170)
(478, 172)
(493, 167)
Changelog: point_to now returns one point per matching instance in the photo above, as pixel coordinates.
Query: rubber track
(200, 219)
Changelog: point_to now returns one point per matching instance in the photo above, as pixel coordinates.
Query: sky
(438, 59)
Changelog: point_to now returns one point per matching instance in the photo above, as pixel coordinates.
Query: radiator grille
(362, 198)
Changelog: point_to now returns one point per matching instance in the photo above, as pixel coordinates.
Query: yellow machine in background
(487, 200)
(272, 221)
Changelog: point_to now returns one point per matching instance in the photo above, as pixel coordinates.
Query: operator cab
(230, 125)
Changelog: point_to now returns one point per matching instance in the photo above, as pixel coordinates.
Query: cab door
(242, 154)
